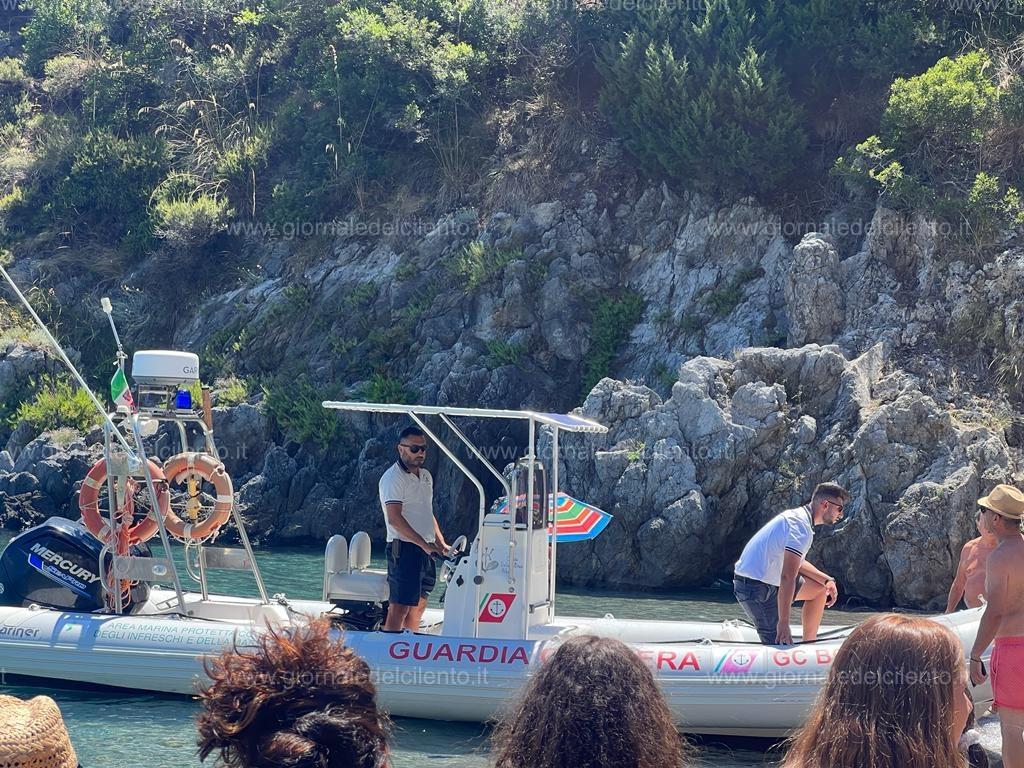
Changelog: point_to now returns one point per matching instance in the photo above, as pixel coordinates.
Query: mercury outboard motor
(56, 565)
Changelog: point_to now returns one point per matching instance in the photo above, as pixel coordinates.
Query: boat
(85, 601)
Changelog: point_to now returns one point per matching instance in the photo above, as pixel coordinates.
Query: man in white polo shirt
(772, 572)
(407, 499)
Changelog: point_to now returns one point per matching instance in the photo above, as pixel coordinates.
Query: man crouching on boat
(772, 572)
(407, 498)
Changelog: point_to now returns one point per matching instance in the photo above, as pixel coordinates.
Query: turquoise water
(111, 730)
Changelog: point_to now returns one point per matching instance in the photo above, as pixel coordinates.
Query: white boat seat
(359, 552)
(364, 586)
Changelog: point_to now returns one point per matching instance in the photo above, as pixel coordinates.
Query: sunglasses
(414, 448)
(840, 507)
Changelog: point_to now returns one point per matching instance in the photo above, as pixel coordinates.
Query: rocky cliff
(749, 361)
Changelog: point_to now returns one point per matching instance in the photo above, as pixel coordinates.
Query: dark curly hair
(593, 704)
(299, 699)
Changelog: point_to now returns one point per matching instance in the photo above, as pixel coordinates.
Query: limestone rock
(814, 298)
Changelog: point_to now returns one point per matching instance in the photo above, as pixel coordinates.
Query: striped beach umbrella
(577, 520)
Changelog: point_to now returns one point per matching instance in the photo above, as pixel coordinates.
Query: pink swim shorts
(1008, 672)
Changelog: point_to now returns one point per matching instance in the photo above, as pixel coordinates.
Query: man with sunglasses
(406, 492)
(1003, 619)
(772, 572)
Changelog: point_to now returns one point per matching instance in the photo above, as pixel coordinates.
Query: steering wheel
(455, 553)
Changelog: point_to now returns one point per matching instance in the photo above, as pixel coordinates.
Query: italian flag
(119, 391)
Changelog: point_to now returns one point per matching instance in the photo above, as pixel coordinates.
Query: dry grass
(526, 171)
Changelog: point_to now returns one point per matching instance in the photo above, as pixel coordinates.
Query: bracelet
(977, 660)
(830, 578)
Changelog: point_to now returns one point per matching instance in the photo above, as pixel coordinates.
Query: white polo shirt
(792, 531)
(416, 495)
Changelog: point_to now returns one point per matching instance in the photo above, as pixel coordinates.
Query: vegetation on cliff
(165, 132)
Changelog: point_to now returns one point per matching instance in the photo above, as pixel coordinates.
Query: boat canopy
(563, 421)
(530, 549)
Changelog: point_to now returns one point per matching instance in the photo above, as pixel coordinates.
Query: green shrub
(57, 26)
(383, 389)
(935, 135)
(361, 296)
(406, 269)
(636, 451)
(418, 305)
(290, 202)
(950, 104)
(296, 299)
(57, 403)
(663, 375)
(695, 95)
(987, 212)
(341, 346)
(724, 299)
(230, 391)
(191, 222)
(500, 352)
(478, 263)
(937, 120)
(296, 406)
(691, 324)
(12, 73)
(1007, 368)
(66, 76)
(613, 321)
(108, 186)
(870, 168)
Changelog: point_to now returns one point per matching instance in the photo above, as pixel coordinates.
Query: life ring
(88, 505)
(189, 467)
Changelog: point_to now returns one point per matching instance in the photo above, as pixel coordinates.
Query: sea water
(114, 729)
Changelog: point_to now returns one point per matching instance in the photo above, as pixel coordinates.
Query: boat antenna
(71, 366)
(108, 310)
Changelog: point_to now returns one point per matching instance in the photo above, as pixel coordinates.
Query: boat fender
(89, 507)
(191, 465)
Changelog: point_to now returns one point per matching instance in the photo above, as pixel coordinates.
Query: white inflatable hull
(713, 687)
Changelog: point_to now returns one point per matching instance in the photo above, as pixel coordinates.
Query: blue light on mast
(183, 400)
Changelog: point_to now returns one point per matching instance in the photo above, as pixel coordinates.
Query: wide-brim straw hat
(32, 735)
(1005, 500)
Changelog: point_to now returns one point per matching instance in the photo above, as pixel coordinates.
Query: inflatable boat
(86, 601)
(714, 683)
(470, 657)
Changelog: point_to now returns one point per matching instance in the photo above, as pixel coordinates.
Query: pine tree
(695, 97)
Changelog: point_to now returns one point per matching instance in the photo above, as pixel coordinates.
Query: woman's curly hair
(593, 704)
(299, 699)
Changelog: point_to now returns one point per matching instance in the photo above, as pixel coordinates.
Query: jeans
(760, 602)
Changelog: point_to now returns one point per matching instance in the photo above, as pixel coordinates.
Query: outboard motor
(56, 565)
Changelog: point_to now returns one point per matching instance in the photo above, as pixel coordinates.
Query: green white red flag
(120, 392)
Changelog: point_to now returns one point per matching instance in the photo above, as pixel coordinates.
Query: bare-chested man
(1003, 620)
(969, 583)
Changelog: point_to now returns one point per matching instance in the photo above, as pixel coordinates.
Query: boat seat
(363, 586)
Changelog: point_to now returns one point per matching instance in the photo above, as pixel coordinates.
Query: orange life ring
(88, 505)
(186, 466)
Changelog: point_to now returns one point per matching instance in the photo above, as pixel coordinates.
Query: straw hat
(32, 735)
(1004, 500)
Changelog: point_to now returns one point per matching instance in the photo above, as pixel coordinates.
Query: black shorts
(411, 573)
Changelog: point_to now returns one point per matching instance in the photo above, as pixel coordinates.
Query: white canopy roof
(563, 421)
